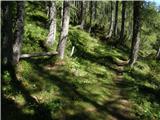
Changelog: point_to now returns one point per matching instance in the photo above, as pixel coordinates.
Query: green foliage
(145, 80)
(84, 86)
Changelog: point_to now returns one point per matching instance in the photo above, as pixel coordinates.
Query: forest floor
(94, 84)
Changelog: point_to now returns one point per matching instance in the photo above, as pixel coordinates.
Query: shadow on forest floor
(116, 107)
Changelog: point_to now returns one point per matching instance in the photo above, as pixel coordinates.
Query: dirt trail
(122, 106)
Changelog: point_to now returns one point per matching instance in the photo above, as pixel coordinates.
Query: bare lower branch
(38, 54)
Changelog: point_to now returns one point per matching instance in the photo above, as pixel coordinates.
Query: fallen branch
(38, 54)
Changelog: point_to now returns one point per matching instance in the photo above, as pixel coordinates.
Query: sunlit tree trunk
(116, 19)
(52, 28)
(123, 22)
(64, 31)
(61, 13)
(136, 31)
(111, 22)
(18, 32)
(158, 54)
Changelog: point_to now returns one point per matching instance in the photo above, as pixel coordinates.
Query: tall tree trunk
(61, 13)
(91, 16)
(111, 22)
(95, 10)
(136, 31)
(83, 12)
(121, 39)
(158, 54)
(116, 19)
(64, 31)
(7, 34)
(19, 32)
(52, 28)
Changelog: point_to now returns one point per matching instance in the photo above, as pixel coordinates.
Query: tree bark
(121, 39)
(136, 31)
(65, 28)
(116, 19)
(83, 12)
(158, 54)
(52, 28)
(111, 22)
(18, 33)
(38, 54)
(61, 13)
(7, 34)
(91, 16)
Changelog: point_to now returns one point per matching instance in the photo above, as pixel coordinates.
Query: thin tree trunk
(158, 54)
(111, 22)
(91, 16)
(64, 31)
(95, 10)
(83, 12)
(130, 27)
(19, 32)
(61, 13)
(121, 39)
(136, 32)
(7, 34)
(116, 19)
(52, 29)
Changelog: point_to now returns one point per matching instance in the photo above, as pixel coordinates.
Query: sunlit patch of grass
(143, 78)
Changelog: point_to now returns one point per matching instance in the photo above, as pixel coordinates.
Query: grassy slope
(82, 88)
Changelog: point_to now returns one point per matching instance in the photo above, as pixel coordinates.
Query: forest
(80, 60)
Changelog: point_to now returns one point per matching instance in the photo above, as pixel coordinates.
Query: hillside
(94, 80)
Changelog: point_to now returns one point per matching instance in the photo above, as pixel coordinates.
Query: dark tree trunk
(19, 32)
(52, 28)
(65, 28)
(111, 22)
(116, 19)
(136, 31)
(121, 39)
(91, 16)
(95, 9)
(7, 34)
(83, 12)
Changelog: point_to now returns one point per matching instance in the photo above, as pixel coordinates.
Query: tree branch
(38, 54)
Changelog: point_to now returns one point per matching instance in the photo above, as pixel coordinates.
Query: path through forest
(122, 107)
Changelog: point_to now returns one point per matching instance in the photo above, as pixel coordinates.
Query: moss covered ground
(91, 85)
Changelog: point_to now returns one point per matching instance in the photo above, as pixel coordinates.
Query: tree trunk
(83, 12)
(111, 22)
(65, 28)
(19, 32)
(158, 54)
(52, 28)
(121, 39)
(61, 13)
(136, 32)
(95, 10)
(91, 16)
(116, 19)
(7, 34)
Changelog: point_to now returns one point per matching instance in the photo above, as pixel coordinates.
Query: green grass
(144, 93)
(84, 87)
